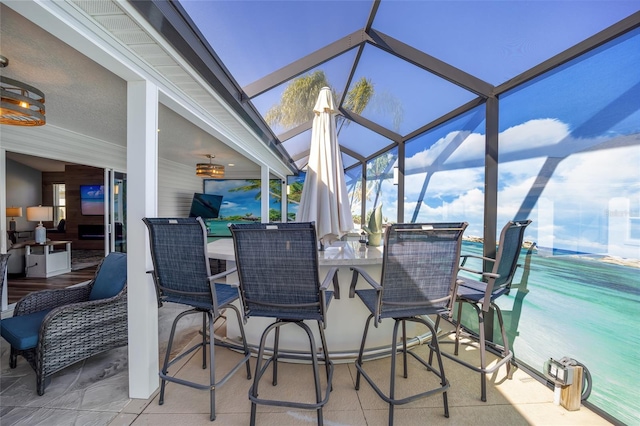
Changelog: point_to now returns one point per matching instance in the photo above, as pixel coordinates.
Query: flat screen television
(207, 206)
(92, 200)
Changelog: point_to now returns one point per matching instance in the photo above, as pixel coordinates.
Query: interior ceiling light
(21, 104)
(208, 170)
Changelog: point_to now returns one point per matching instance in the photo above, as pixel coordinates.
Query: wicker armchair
(53, 329)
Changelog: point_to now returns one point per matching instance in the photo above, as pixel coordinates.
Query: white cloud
(533, 134)
(579, 188)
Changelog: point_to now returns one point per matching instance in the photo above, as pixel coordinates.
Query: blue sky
(578, 106)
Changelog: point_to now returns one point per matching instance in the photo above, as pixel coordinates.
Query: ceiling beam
(375, 127)
(431, 64)
(616, 30)
(304, 64)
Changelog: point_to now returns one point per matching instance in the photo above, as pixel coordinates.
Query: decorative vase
(374, 228)
(375, 239)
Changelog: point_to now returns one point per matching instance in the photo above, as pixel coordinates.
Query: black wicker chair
(53, 329)
(481, 294)
(182, 274)
(278, 272)
(419, 268)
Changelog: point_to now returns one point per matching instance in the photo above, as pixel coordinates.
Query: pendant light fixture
(21, 104)
(209, 170)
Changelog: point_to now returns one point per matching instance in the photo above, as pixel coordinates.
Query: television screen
(207, 206)
(92, 200)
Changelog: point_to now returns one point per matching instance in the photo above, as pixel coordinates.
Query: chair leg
(505, 339)
(404, 347)
(360, 353)
(13, 358)
(212, 370)
(276, 344)
(167, 355)
(389, 397)
(435, 347)
(253, 391)
(483, 374)
(244, 338)
(40, 384)
(458, 326)
(325, 351)
(262, 366)
(204, 340)
(437, 325)
(316, 372)
(392, 379)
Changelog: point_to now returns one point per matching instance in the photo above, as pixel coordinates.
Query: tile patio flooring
(95, 393)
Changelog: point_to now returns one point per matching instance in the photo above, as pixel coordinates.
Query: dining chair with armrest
(420, 264)
(482, 294)
(182, 274)
(278, 274)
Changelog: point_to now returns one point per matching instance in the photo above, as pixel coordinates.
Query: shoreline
(604, 258)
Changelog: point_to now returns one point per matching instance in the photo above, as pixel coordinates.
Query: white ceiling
(88, 99)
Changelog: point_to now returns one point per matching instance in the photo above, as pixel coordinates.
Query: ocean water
(581, 308)
(220, 228)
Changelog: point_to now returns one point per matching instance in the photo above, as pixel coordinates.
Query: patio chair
(278, 272)
(419, 268)
(182, 274)
(481, 294)
(53, 329)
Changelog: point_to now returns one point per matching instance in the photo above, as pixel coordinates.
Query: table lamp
(13, 212)
(38, 214)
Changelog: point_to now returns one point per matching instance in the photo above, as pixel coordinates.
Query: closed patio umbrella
(324, 197)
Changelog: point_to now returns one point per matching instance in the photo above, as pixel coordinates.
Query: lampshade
(21, 104)
(14, 211)
(210, 170)
(39, 214)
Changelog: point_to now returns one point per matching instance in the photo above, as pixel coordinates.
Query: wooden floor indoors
(18, 286)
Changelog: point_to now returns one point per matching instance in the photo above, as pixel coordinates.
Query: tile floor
(95, 393)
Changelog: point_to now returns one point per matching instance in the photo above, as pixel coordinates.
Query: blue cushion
(111, 277)
(22, 332)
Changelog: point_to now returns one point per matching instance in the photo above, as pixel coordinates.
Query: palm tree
(275, 188)
(377, 171)
(298, 99)
(300, 96)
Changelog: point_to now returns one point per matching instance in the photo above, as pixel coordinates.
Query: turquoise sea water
(220, 228)
(584, 309)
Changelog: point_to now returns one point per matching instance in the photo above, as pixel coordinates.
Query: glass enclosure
(570, 161)
(416, 82)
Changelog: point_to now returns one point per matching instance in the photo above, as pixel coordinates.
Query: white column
(142, 190)
(264, 197)
(3, 223)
